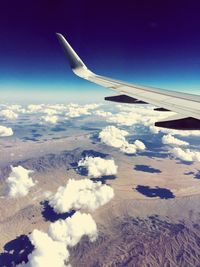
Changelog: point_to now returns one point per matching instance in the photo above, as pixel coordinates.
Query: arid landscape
(148, 217)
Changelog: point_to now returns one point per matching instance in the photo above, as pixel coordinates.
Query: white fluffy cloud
(49, 119)
(50, 111)
(112, 136)
(8, 114)
(46, 109)
(98, 167)
(124, 118)
(156, 130)
(52, 249)
(186, 155)
(47, 252)
(75, 110)
(71, 230)
(102, 113)
(80, 194)
(34, 108)
(171, 140)
(16, 108)
(132, 148)
(19, 182)
(5, 131)
(92, 106)
(57, 107)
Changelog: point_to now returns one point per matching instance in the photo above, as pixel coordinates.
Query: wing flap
(124, 99)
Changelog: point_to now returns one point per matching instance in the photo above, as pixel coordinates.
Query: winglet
(77, 65)
(74, 60)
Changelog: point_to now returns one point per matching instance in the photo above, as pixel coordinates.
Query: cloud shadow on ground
(196, 175)
(146, 168)
(16, 251)
(104, 179)
(162, 193)
(50, 215)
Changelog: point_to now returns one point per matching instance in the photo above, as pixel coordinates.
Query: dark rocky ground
(137, 242)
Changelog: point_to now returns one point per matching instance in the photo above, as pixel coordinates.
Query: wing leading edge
(187, 106)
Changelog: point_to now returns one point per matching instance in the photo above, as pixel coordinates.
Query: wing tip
(59, 34)
(74, 59)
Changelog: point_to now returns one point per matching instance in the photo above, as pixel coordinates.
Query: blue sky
(148, 42)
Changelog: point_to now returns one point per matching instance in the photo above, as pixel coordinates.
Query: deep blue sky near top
(149, 42)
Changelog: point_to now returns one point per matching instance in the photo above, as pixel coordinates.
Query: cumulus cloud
(125, 118)
(46, 109)
(34, 108)
(102, 113)
(156, 130)
(19, 182)
(171, 140)
(132, 148)
(71, 230)
(58, 107)
(52, 249)
(80, 194)
(16, 108)
(92, 106)
(47, 252)
(49, 119)
(50, 111)
(186, 155)
(75, 110)
(112, 136)
(153, 129)
(8, 114)
(5, 131)
(98, 167)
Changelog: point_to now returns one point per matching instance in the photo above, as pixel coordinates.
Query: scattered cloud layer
(171, 140)
(80, 194)
(5, 131)
(129, 115)
(124, 118)
(186, 154)
(19, 182)
(98, 167)
(113, 136)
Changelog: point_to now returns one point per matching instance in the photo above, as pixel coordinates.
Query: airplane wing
(187, 106)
